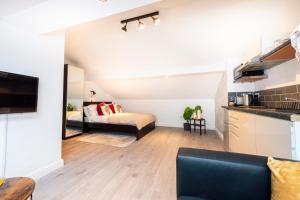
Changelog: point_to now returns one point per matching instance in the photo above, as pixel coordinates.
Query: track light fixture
(124, 28)
(156, 21)
(141, 25)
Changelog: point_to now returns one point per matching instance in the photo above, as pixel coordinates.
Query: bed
(74, 119)
(139, 124)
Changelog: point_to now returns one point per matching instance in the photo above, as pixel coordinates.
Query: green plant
(188, 112)
(70, 107)
(198, 107)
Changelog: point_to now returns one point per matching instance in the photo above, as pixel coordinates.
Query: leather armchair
(212, 175)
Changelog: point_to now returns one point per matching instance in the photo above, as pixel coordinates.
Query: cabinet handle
(234, 134)
(235, 126)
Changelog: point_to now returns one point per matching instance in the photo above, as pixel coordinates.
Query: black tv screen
(18, 93)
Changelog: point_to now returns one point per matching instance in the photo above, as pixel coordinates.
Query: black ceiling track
(139, 17)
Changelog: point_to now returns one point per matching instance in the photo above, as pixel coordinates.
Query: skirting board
(220, 134)
(171, 125)
(37, 174)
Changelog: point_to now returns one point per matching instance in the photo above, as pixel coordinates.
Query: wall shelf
(277, 56)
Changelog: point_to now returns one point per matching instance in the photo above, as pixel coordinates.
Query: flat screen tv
(18, 93)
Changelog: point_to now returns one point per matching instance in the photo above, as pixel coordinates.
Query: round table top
(18, 188)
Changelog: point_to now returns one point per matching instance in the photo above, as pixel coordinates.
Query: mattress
(140, 120)
(96, 119)
(74, 116)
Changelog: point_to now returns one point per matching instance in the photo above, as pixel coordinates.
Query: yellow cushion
(1, 182)
(285, 179)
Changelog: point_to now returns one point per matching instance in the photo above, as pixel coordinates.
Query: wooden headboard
(87, 103)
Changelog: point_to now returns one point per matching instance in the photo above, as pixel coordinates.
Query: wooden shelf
(277, 56)
(282, 52)
(250, 79)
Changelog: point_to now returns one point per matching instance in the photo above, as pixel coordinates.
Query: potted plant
(187, 114)
(70, 107)
(198, 111)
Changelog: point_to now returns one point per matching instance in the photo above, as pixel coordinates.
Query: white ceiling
(189, 86)
(9, 7)
(54, 15)
(194, 37)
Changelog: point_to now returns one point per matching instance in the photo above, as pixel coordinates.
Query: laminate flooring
(143, 171)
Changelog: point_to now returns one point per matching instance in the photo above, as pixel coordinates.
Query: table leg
(200, 127)
(194, 125)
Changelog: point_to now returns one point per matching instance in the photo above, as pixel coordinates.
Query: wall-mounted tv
(18, 93)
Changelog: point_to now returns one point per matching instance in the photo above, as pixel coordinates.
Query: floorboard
(144, 170)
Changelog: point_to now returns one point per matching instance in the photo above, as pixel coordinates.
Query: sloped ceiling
(9, 7)
(55, 15)
(189, 86)
(194, 37)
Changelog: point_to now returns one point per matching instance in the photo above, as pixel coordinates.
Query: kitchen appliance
(239, 101)
(256, 100)
(248, 100)
(251, 99)
(240, 75)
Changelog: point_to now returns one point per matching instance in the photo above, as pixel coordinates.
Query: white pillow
(93, 110)
(118, 108)
(106, 110)
(90, 110)
(86, 111)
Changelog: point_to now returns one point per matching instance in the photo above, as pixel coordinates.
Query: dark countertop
(269, 112)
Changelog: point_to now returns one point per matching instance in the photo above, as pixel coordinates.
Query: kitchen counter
(269, 112)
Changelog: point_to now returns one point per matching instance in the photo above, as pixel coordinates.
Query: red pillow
(99, 111)
(112, 107)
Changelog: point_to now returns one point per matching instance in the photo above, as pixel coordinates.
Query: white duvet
(140, 120)
(74, 115)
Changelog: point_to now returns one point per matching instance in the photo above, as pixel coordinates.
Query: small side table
(19, 188)
(202, 124)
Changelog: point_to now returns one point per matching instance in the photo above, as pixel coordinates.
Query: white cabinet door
(247, 133)
(242, 132)
(273, 137)
(233, 132)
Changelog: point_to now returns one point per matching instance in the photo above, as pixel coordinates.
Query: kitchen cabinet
(242, 132)
(226, 130)
(273, 137)
(259, 135)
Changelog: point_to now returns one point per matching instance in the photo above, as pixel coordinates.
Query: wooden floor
(144, 170)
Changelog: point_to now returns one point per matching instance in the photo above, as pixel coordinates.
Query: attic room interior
(149, 99)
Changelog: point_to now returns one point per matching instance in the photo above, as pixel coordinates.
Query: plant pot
(199, 114)
(186, 126)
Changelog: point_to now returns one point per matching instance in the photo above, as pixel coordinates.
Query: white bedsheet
(74, 115)
(96, 119)
(139, 120)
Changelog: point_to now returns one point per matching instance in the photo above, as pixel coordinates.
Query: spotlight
(124, 28)
(156, 21)
(141, 25)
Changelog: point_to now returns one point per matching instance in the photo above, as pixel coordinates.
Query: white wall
(34, 139)
(169, 112)
(221, 99)
(100, 95)
(282, 75)
(186, 86)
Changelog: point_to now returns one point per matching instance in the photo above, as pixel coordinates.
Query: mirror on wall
(73, 101)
